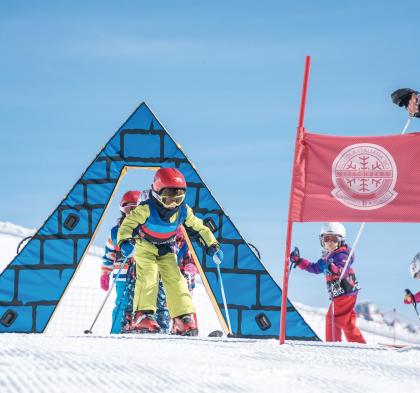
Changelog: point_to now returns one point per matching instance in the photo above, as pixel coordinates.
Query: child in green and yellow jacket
(150, 233)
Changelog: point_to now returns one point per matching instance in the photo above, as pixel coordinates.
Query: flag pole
(300, 131)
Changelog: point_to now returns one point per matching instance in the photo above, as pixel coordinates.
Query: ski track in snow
(64, 361)
(42, 363)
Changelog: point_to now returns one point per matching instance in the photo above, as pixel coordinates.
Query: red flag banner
(357, 179)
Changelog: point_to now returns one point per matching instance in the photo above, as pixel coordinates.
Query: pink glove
(190, 268)
(105, 282)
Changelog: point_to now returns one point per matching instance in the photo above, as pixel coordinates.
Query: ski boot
(185, 325)
(144, 323)
(126, 325)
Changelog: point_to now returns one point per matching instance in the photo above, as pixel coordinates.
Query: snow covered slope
(94, 364)
(64, 360)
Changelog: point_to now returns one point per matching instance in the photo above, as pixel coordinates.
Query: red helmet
(129, 201)
(168, 178)
(169, 187)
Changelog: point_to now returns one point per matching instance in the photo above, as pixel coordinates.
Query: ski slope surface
(65, 360)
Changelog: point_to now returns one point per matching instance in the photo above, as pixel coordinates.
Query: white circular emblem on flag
(364, 176)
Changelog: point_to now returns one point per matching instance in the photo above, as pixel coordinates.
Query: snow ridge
(8, 228)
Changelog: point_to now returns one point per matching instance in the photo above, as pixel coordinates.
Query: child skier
(112, 259)
(409, 297)
(343, 294)
(158, 219)
(111, 263)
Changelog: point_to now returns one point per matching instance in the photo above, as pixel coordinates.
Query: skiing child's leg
(146, 289)
(332, 330)
(351, 331)
(177, 295)
(120, 305)
(145, 292)
(345, 318)
(162, 313)
(128, 312)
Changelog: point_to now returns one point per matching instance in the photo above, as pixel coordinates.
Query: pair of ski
(215, 336)
(399, 347)
(214, 333)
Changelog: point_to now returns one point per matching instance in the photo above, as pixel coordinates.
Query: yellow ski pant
(148, 266)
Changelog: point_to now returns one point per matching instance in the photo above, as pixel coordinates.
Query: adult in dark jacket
(408, 98)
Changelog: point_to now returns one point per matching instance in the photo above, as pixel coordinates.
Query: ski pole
(332, 319)
(407, 124)
(410, 116)
(363, 223)
(394, 319)
(415, 308)
(89, 331)
(291, 265)
(352, 251)
(223, 295)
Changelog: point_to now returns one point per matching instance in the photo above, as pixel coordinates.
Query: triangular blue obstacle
(34, 282)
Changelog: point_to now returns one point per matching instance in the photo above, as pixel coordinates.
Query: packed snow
(65, 360)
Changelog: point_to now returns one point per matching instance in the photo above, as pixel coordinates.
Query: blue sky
(224, 78)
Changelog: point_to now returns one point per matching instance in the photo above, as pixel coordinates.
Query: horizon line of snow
(11, 229)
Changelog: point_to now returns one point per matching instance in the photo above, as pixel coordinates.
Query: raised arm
(196, 229)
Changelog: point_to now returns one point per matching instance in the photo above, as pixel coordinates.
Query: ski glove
(295, 258)
(213, 249)
(105, 282)
(409, 297)
(127, 248)
(215, 252)
(190, 268)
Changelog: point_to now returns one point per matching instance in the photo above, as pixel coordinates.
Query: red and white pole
(394, 317)
(300, 131)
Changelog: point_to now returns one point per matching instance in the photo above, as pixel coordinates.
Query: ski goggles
(330, 239)
(172, 197)
(127, 207)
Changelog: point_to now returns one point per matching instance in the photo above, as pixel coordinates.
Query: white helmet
(415, 267)
(332, 228)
